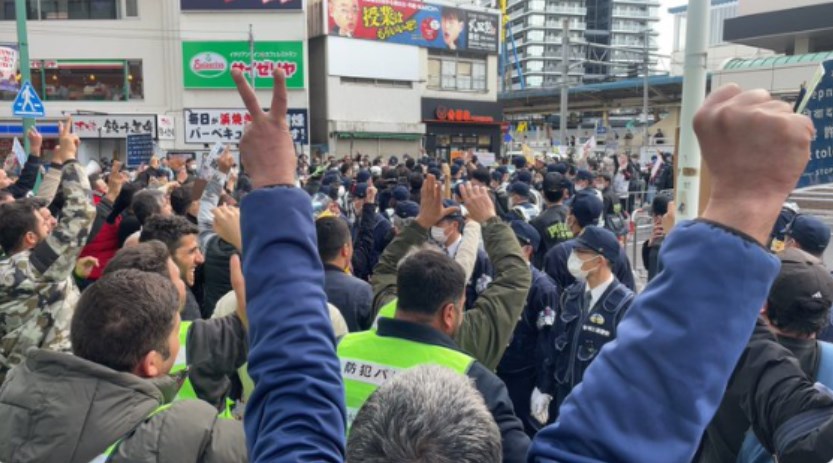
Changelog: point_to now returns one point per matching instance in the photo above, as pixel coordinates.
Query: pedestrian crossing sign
(28, 103)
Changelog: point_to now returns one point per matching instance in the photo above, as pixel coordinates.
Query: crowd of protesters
(416, 309)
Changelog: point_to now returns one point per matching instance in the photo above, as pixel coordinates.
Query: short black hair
(181, 199)
(427, 280)
(122, 317)
(554, 196)
(333, 233)
(481, 174)
(345, 168)
(168, 230)
(147, 203)
(16, 219)
(415, 180)
(151, 257)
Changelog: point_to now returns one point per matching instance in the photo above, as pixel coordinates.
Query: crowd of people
(418, 311)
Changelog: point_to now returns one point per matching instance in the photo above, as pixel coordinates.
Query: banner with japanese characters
(818, 105)
(226, 125)
(114, 126)
(209, 64)
(410, 22)
(8, 68)
(166, 129)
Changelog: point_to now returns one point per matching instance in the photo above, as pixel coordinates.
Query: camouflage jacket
(37, 290)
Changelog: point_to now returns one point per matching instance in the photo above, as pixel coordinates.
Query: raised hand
(115, 182)
(68, 142)
(478, 202)
(431, 208)
(227, 225)
(226, 161)
(756, 149)
(84, 267)
(266, 148)
(35, 142)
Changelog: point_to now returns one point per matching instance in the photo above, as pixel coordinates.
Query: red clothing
(103, 247)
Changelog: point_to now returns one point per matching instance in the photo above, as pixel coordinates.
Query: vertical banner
(819, 107)
(139, 149)
(8, 68)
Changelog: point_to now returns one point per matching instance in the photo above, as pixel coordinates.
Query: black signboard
(226, 5)
(483, 30)
(139, 149)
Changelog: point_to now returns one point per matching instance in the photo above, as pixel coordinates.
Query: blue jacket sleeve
(296, 412)
(650, 394)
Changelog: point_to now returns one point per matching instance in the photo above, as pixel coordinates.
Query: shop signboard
(226, 5)
(209, 64)
(139, 149)
(818, 106)
(226, 125)
(165, 128)
(113, 126)
(414, 23)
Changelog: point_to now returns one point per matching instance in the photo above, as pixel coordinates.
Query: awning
(379, 136)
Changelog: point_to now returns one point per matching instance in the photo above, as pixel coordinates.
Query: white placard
(115, 126)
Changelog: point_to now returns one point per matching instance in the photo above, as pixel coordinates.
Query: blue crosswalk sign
(27, 103)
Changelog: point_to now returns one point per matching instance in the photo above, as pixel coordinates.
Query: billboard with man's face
(414, 23)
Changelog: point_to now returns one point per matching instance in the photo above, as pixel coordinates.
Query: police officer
(518, 366)
(520, 207)
(589, 313)
(551, 223)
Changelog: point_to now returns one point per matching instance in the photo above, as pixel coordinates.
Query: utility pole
(646, 68)
(694, 93)
(25, 72)
(252, 55)
(565, 71)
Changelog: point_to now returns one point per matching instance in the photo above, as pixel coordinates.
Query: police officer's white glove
(539, 406)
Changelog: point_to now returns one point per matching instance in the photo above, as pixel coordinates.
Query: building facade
(125, 67)
(607, 39)
(375, 65)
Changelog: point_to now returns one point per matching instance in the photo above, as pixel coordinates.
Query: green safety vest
(105, 457)
(387, 311)
(187, 392)
(368, 360)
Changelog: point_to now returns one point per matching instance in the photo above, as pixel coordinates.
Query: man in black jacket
(798, 307)
(551, 224)
(353, 297)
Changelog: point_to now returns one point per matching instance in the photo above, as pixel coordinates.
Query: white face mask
(574, 266)
(580, 187)
(438, 235)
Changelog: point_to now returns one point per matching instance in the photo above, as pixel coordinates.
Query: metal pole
(252, 55)
(25, 72)
(694, 93)
(646, 63)
(565, 69)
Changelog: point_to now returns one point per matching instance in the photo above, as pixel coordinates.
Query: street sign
(818, 105)
(28, 103)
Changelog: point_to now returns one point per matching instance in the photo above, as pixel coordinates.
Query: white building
(125, 66)
(720, 51)
(394, 79)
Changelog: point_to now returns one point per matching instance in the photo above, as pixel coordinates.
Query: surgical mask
(438, 234)
(579, 187)
(574, 266)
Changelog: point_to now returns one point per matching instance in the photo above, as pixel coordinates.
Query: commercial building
(536, 33)
(394, 78)
(125, 67)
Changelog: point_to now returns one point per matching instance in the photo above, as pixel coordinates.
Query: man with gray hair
(425, 413)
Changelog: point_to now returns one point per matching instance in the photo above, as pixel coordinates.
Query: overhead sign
(139, 149)
(114, 126)
(819, 107)
(8, 68)
(225, 5)
(226, 125)
(209, 64)
(414, 23)
(28, 103)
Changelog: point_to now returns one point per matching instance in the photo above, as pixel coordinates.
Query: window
(88, 80)
(376, 82)
(456, 73)
(72, 9)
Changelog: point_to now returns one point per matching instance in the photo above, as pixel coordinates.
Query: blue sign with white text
(819, 108)
(28, 103)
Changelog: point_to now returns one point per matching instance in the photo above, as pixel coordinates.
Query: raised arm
(54, 258)
(678, 345)
(210, 198)
(296, 412)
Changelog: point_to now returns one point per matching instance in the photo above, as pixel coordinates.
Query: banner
(165, 128)
(209, 64)
(225, 5)
(414, 23)
(818, 105)
(139, 149)
(115, 126)
(8, 68)
(226, 125)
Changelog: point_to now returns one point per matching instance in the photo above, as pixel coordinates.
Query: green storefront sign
(209, 64)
